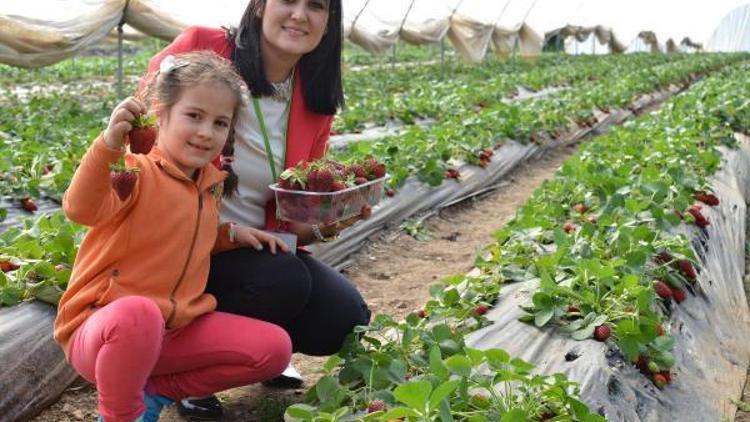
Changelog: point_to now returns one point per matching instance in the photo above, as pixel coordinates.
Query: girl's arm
(90, 197)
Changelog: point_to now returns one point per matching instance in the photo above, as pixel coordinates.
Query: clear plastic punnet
(327, 207)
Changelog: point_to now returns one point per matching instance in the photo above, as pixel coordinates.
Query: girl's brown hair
(193, 69)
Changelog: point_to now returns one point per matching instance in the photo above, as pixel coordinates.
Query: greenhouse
(374, 210)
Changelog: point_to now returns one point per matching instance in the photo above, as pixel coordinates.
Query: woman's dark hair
(320, 69)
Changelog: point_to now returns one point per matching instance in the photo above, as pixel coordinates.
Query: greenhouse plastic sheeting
(473, 180)
(733, 32)
(41, 32)
(711, 347)
(33, 371)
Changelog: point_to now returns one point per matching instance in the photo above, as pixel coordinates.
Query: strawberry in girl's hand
(143, 134)
(123, 181)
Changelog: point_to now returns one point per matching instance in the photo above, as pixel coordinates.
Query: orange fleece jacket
(157, 243)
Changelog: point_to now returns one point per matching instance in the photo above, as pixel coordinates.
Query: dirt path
(393, 272)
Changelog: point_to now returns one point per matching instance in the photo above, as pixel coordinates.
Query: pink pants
(124, 349)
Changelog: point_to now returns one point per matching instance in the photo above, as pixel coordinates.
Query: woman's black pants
(314, 303)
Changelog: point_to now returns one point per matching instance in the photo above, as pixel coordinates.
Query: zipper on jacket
(187, 261)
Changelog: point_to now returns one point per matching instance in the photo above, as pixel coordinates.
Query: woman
(289, 54)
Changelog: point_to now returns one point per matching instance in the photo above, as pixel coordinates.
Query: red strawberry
(390, 192)
(421, 313)
(667, 376)
(360, 180)
(6, 266)
(28, 204)
(376, 406)
(312, 181)
(452, 174)
(357, 170)
(337, 185)
(663, 290)
(602, 332)
(569, 226)
(123, 182)
(489, 151)
(483, 155)
(679, 295)
(379, 171)
(481, 309)
(580, 208)
(660, 380)
(663, 257)
(687, 269)
(707, 198)
(700, 220)
(573, 309)
(143, 134)
(325, 180)
(641, 363)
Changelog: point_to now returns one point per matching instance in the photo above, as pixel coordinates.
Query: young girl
(135, 319)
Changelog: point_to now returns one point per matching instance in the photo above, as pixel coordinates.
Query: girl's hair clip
(170, 63)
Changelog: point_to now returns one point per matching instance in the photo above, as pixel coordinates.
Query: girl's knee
(137, 314)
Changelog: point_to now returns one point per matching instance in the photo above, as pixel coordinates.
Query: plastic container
(327, 207)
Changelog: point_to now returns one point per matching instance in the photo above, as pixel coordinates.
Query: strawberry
(663, 257)
(489, 151)
(480, 309)
(573, 309)
(360, 180)
(641, 363)
(28, 204)
(663, 290)
(452, 174)
(483, 155)
(312, 181)
(390, 192)
(679, 295)
(143, 134)
(687, 269)
(580, 208)
(325, 180)
(592, 219)
(569, 226)
(357, 170)
(6, 266)
(667, 376)
(707, 198)
(123, 181)
(376, 406)
(421, 313)
(337, 185)
(660, 380)
(602, 332)
(700, 219)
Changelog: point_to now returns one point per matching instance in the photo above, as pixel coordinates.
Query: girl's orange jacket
(157, 243)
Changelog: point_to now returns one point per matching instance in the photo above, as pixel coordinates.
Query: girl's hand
(120, 121)
(249, 236)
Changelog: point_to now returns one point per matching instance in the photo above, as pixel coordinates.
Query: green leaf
(300, 411)
(437, 367)
(442, 391)
(459, 365)
(515, 415)
(399, 412)
(414, 394)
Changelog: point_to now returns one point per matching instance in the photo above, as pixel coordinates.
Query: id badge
(289, 238)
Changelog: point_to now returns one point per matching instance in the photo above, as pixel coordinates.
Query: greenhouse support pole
(119, 60)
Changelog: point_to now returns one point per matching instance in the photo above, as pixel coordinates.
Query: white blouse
(248, 205)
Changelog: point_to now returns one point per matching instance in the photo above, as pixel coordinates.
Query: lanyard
(266, 141)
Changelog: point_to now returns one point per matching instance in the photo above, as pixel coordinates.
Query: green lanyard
(266, 141)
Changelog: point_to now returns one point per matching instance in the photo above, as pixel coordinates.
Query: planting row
(596, 240)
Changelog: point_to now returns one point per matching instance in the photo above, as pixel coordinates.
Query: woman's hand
(120, 121)
(249, 236)
(305, 234)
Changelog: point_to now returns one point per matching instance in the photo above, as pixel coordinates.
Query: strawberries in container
(325, 191)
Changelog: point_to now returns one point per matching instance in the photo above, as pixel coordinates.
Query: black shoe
(202, 409)
(290, 378)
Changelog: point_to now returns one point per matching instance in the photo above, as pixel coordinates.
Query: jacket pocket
(109, 291)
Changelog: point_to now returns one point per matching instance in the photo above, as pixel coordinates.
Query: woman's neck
(277, 66)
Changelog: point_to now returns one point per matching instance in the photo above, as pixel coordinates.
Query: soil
(393, 272)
